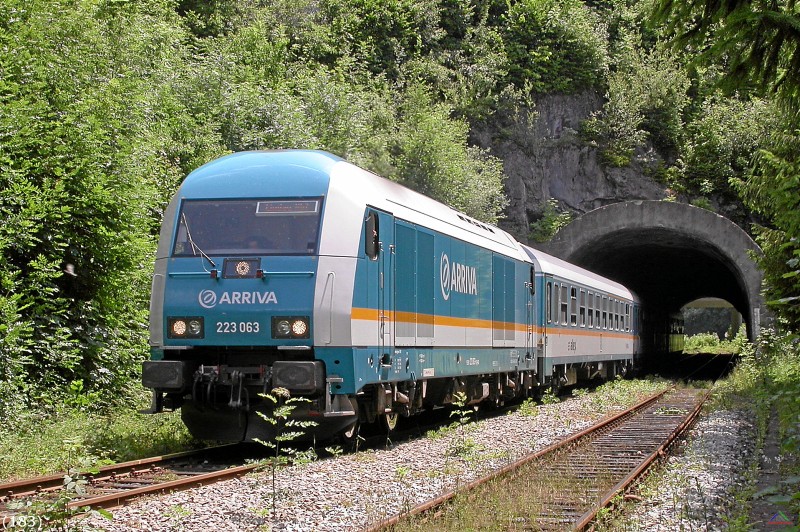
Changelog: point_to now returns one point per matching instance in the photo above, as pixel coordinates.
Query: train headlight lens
(178, 327)
(282, 328)
(299, 328)
(195, 327)
(290, 327)
(189, 328)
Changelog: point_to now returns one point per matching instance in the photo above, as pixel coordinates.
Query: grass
(709, 343)
(49, 442)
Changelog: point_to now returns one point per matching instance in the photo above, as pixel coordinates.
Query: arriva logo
(209, 298)
(457, 277)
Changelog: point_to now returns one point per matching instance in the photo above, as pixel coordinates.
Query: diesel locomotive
(295, 269)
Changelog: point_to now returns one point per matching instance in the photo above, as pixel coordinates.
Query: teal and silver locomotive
(298, 270)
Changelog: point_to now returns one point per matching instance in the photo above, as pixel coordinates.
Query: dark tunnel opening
(664, 268)
(669, 254)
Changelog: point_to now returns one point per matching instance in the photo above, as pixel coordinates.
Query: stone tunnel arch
(668, 253)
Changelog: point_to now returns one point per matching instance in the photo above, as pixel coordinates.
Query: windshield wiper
(195, 248)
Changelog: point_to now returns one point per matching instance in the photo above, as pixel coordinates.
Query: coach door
(380, 248)
(530, 319)
(551, 312)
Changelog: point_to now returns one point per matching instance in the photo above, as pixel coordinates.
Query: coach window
(549, 302)
(597, 311)
(627, 317)
(612, 316)
(556, 301)
(605, 312)
(371, 236)
(616, 315)
(582, 308)
(564, 304)
(590, 310)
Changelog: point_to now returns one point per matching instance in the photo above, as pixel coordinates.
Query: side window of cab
(371, 236)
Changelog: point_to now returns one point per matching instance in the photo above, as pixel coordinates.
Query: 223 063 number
(227, 327)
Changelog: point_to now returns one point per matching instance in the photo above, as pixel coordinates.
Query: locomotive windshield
(248, 227)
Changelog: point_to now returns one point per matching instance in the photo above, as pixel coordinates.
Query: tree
(759, 43)
(757, 40)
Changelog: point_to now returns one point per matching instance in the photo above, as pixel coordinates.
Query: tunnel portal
(669, 254)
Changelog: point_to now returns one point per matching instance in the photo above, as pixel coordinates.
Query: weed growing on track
(286, 430)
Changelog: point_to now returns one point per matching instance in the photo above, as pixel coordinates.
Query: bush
(555, 46)
(646, 99)
(710, 343)
(551, 221)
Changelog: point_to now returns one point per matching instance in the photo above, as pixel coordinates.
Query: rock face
(544, 158)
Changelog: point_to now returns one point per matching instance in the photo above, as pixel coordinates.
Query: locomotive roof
(304, 172)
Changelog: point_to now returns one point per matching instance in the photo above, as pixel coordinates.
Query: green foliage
(462, 445)
(551, 221)
(772, 190)
(434, 159)
(286, 429)
(721, 141)
(755, 47)
(528, 408)
(647, 95)
(55, 513)
(84, 140)
(39, 443)
(383, 34)
(710, 343)
(549, 397)
(767, 380)
(554, 46)
(757, 40)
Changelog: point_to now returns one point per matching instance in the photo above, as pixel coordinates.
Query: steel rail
(193, 481)
(551, 449)
(118, 474)
(623, 485)
(35, 485)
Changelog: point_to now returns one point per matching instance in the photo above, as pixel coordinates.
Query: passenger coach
(296, 269)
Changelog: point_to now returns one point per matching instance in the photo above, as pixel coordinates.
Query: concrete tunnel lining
(668, 253)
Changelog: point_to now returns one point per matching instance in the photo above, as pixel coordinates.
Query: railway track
(563, 486)
(115, 484)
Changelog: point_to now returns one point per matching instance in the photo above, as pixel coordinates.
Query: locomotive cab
(233, 298)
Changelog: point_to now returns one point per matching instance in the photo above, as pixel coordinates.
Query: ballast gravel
(696, 490)
(353, 491)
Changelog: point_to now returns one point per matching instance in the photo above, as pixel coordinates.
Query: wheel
(349, 437)
(390, 420)
(351, 432)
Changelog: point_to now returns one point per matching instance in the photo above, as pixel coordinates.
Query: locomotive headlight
(290, 327)
(282, 328)
(195, 327)
(178, 327)
(191, 328)
(299, 328)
